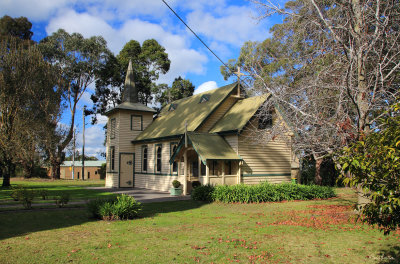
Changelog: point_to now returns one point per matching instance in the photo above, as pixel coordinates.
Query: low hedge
(118, 208)
(263, 192)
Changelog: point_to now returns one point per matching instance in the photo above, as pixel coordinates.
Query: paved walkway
(144, 195)
(141, 195)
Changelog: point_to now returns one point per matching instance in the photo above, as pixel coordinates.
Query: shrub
(43, 193)
(263, 192)
(203, 193)
(93, 206)
(16, 192)
(62, 199)
(176, 184)
(26, 197)
(119, 208)
(196, 184)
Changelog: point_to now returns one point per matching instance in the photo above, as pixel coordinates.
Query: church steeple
(130, 93)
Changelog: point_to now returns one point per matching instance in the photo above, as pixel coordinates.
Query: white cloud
(184, 60)
(234, 26)
(207, 86)
(94, 138)
(33, 10)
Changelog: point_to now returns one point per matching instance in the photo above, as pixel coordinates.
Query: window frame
(266, 121)
(112, 158)
(112, 128)
(156, 162)
(145, 147)
(141, 122)
(171, 151)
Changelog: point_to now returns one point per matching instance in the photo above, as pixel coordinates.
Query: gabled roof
(131, 106)
(88, 163)
(171, 121)
(208, 147)
(239, 114)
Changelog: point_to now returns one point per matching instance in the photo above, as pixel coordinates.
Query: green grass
(76, 189)
(318, 231)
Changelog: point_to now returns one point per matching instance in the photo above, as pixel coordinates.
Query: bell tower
(125, 122)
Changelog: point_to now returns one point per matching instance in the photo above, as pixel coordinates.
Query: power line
(201, 40)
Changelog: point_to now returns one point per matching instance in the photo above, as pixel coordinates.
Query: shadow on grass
(390, 255)
(22, 223)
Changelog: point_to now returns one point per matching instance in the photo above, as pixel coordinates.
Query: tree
(80, 60)
(15, 27)
(29, 98)
(181, 88)
(374, 165)
(332, 68)
(149, 61)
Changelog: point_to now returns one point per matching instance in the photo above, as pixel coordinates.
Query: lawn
(319, 231)
(77, 190)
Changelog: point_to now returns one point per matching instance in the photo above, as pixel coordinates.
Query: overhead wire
(194, 33)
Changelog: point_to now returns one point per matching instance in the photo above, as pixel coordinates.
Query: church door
(126, 170)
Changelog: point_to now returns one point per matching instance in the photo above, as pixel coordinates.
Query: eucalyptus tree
(29, 99)
(180, 88)
(332, 68)
(80, 60)
(149, 61)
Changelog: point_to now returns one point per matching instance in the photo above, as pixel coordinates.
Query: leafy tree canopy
(16, 27)
(181, 88)
(373, 164)
(149, 61)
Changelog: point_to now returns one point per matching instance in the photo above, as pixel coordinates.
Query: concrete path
(140, 195)
(144, 195)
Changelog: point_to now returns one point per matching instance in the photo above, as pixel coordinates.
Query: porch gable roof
(208, 147)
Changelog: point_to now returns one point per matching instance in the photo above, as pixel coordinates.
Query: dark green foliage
(102, 171)
(203, 193)
(196, 184)
(176, 184)
(62, 199)
(120, 208)
(43, 193)
(328, 172)
(373, 164)
(25, 196)
(181, 88)
(263, 192)
(15, 192)
(93, 206)
(16, 27)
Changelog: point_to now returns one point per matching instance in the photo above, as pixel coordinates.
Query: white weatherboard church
(147, 153)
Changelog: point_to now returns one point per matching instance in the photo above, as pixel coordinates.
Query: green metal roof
(208, 147)
(239, 114)
(171, 121)
(88, 163)
(131, 106)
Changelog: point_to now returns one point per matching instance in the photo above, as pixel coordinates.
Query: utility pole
(83, 144)
(73, 155)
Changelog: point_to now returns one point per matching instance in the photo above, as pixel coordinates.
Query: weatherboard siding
(264, 162)
(151, 179)
(233, 141)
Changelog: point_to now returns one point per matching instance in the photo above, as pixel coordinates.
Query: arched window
(144, 158)
(174, 164)
(158, 155)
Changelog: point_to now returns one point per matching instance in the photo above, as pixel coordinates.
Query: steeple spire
(130, 93)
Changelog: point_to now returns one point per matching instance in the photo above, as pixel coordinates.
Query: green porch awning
(208, 147)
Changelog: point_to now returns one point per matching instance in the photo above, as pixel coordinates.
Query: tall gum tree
(149, 61)
(29, 99)
(332, 68)
(80, 60)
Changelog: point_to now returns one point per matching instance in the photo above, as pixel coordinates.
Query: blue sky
(224, 25)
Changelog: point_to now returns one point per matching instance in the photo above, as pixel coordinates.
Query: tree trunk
(318, 178)
(8, 172)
